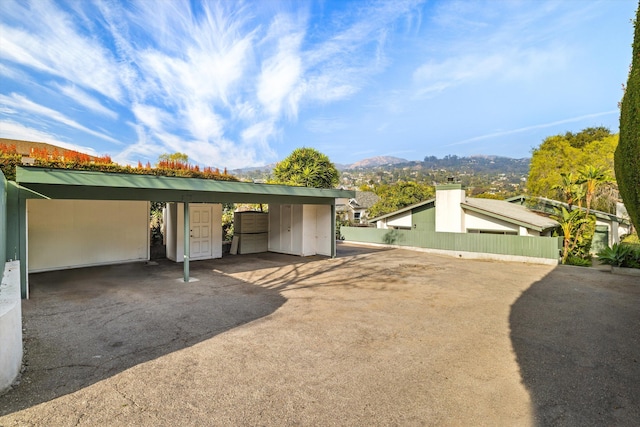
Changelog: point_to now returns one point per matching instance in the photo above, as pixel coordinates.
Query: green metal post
(187, 236)
(333, 229)
(17, 233)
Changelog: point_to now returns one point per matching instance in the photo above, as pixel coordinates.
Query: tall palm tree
(567, 189)
(592, 177)
(571, 224)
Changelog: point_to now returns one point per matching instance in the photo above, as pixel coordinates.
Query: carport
(34, 183)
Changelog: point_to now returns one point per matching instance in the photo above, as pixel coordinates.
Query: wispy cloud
(509, 40)
(534, 127)
(22, 104)
(224, 80)
(325, 124)
(49, 41)
(515, 64)
(13, 130)
(86, 100)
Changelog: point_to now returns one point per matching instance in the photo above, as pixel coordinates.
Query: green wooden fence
(525, 246)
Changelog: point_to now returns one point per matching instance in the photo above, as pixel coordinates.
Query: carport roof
(73, 184)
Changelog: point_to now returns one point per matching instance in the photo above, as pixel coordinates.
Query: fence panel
(527, 246)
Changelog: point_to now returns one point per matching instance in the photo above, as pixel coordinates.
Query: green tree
(557, 156)
(399, 195)
(627, 156)
(306, 167)
(585, 136)
(173, 157)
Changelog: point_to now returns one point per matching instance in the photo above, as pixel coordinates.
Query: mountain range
(470, 163)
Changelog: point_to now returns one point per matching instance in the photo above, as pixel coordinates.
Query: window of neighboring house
(356, 216)
(501, 232)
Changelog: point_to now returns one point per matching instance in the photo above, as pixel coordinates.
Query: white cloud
(22, 104)
(508, 40)
(49, 41)
(521, 65)
(534, 127)
(282, 70)
(152, 117)
(13, 130)
(325, 124)
(216, 83)
(13, 73)
(86, 100)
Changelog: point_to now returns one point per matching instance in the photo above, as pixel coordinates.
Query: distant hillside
(494, 175)
(478, 164)
(376, 161)
(497, 175)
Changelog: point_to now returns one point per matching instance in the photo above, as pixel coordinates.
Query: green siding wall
(3, 220)
(424, 218)
(527, 246)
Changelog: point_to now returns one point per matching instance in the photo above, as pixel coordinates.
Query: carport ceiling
(90, 185)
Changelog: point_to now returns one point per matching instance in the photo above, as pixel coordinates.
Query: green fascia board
(403, 210)
(504, 218)
(71, 184)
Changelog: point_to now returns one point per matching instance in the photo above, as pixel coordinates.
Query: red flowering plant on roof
(71, 159)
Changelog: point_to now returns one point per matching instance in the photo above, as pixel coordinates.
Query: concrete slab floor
(374, 337)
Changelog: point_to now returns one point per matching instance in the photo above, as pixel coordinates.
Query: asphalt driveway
(373, 337)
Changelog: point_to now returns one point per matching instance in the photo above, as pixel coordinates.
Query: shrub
(621, 255)
(578, 261)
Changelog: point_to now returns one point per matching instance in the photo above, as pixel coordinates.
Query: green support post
(333, 230)
(187, 236)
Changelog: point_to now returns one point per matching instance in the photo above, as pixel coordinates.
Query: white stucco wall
(79, 233)
(402, 220)
(10, 325)
(478, 221)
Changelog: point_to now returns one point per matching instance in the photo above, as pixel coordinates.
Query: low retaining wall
(10, 325)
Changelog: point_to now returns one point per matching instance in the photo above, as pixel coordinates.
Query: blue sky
(237, 84)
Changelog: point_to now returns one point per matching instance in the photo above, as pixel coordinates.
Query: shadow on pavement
(85, 325)
(576, 335)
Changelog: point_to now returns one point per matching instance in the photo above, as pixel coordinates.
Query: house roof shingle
(510, 212)
(366, 199)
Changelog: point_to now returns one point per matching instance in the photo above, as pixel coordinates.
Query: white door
(200, 225)
(324, 233)
(285, 229)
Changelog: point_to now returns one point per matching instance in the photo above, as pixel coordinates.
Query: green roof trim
(403, 210)
(72, 184)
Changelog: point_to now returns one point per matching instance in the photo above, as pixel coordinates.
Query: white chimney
(449, 214)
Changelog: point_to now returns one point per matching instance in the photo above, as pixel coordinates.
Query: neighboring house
(451, 211)
(356, 210)
(609, 227)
